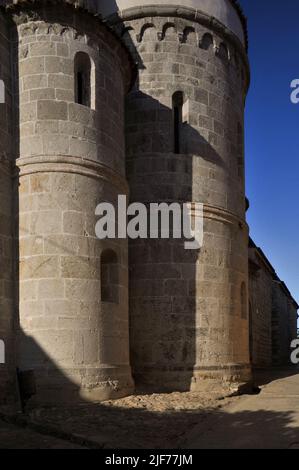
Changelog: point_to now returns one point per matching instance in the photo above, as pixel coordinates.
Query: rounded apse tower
(185, 133)
(72, 74)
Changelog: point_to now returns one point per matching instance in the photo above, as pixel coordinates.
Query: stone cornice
(187, 13)
(67, 164)
(216, 213)
(86, 6)
(224, 216)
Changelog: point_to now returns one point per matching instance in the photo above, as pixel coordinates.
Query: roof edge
(272, 271)
(243, 18)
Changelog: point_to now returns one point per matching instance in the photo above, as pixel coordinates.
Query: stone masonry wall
(272, 314)
(284, 325)
(71, 159)
(260, 311)
(188, 310)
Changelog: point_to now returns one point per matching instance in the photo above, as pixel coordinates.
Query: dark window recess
(177, 106)
(83, 79)
(80, 91)
(109, 277)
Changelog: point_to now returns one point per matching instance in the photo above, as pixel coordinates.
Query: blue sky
(272, 134)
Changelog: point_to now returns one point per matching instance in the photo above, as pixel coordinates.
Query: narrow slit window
(177, 106)
(243, 301)
(84, 85)
(109, 277)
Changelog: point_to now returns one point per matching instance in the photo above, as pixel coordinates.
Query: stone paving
(269, 420)
(177, 420)
(154, 421)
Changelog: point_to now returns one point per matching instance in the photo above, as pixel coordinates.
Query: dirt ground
(268, 419)
(137, 422)
(16, 437)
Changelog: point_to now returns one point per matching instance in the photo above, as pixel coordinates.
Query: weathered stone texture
(272, 313)
(284, 324)
(64, 294)
(71, 159)
(52, 122)
(260, 310)
(191, 301)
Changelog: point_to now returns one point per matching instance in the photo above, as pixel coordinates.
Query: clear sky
(272, 134)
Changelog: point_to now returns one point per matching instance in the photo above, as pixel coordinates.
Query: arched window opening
(189, 34)
(109, 277)
(223, 52)
(177, 107)
(243, 301)
(207, 41)
(168, 29)
(84, 80)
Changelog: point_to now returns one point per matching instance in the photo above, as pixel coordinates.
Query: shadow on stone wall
(170, 314)
(167, 340)
(40, 379)
(163, 300)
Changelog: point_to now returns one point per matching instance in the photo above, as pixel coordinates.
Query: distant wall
(273, 314)
(260, 312)
(284, 325)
